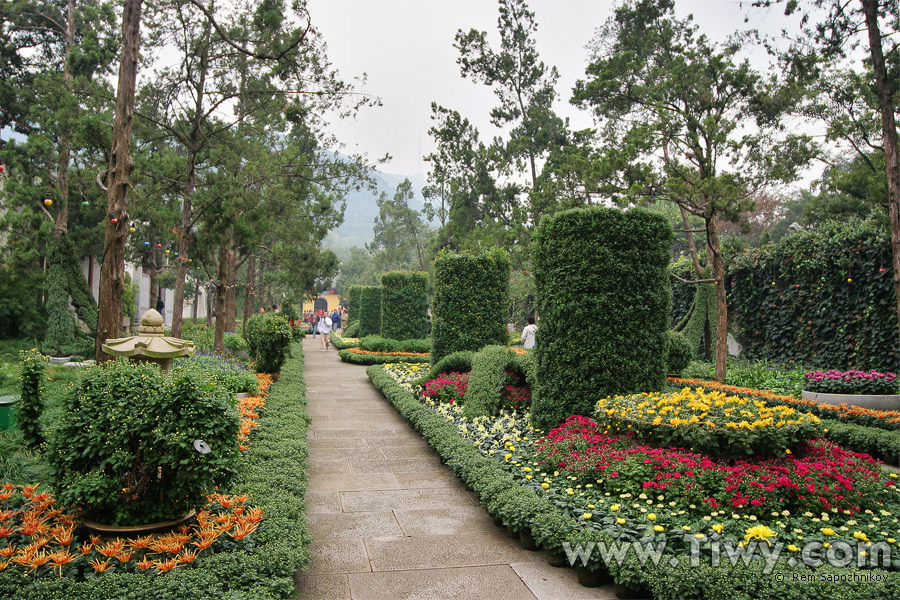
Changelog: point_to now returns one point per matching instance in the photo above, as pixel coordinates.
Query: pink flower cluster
(821, 476)
(449, 388)
(849, 375)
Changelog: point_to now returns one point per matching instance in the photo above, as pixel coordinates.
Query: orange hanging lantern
(48, 202)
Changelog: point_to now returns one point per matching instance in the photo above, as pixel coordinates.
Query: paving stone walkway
(389, 522)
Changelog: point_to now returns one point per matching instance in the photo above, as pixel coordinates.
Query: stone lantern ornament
(151, 344)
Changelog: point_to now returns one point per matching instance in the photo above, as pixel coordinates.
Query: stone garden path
(389, 521)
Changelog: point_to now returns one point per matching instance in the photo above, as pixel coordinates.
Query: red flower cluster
(448, 388)
(821, 476)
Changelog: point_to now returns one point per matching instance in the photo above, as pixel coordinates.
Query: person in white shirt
(529, 334)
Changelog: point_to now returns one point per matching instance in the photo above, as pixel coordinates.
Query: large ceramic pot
(122, 530)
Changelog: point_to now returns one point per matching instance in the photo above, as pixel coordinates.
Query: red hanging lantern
(159, 245)
(881, 270)
(114, 220)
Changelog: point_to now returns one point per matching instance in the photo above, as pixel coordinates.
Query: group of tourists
(323, 323)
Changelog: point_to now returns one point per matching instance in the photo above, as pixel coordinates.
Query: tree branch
(691, 282)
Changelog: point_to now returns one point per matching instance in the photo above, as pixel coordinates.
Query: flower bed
(342, 343)
(883, 419)
(359, 356)
(261, 567)
(851, 382)
(710, 422)
(511, 473)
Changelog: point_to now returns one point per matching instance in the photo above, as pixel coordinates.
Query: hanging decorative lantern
(85, 203)
(158, 245)
(132, 229)
(2, 168)
(168, 251)
(114, 221)
(881, 270)
(146, 243)
(48, 202)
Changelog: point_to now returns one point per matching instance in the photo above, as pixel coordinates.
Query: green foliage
(353, 307)
(376, 343)
(697, 327)
(379, 359)
(129, 300)
(604, 301)
(679, 353)
(470, 302)
(337, 340)
(31, 405)
(400, 232)
(352, 330)
(370, 311)
(201, 334)
(824, 298)
(268, 337)
(223, 373)
(682, 293)
(460, 362)
(60, 338)
(787, 379)
(123, 452)
(263, 568)
(404, 305)
(234, 343)
(489, 368)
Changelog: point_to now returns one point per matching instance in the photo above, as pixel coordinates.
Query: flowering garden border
(274, 476)
(357, 356)
(517, 506)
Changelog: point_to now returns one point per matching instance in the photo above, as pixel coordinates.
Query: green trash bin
(7, 412)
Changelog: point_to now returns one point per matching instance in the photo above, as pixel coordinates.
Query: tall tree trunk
(231, 290)
(222, 269)
(210, 302)
(718, 268)
(196, 304)
(889, 133)
(112, 282)
(250, 290)
(65, 136)
(187, 207)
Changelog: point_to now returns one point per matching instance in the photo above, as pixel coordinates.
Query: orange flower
(86, 548)
(166, 565)
(144, 564)
(5, 531)
(189, 556)
(95, 539)
(124, 557)
(6, 515)
(254, 515)
(111, 549)
(100, 565)
(8, 551)
(63, 535)
(3, 564)
(28, 490)
(203, 544)
(141, 543)
(242, 531)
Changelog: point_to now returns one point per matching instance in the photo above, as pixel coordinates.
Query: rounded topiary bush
(404, 305)
(370, 311)
(354, 294)
(268, 338)
(470, 302)
(603, 301)
(136, 445)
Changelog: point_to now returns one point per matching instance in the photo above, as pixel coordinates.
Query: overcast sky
(405, 47)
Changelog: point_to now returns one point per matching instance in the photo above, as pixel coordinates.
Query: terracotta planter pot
(123, 530)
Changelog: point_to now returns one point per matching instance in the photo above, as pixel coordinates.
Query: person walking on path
(314, 323)
(336, 321)
(529, 334)
(324, 329)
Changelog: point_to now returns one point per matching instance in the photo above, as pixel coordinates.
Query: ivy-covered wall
(370, 310)
(404, 305)
(603, 303)
(824, 298)
(470, 302)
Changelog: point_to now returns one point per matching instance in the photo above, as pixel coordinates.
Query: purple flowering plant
(851, 382)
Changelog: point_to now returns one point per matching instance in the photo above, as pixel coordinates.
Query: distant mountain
(362, 209)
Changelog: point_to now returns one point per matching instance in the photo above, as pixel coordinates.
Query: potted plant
(867, 389)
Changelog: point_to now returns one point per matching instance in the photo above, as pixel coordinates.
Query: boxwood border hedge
(354, 293)
(513, 505)
(337, 340)
(404, 305)
(274, 476)
(379, 359)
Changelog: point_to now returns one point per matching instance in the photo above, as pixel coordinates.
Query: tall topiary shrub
(60, 339)
(603, 301)
(353, 307)
(268, 338)
(370, 311)
(30, 403)
(470, 302)
(404, 305)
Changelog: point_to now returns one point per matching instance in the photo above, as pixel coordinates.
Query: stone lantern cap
(151, 341)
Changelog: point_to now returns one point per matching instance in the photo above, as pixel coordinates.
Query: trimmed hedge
(489, 367)
(352, 330)
(459, 362)
(269, 338)
(354, 294)
(379, 359)
(337, 340)
(470, 302)
(376, 343)
(404, 305)
(859, 438)
(604, 299)
(519, 508)
(370, 311)
(823, 298)
(275, 477)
